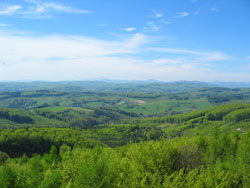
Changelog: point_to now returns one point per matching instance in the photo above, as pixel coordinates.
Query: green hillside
(205, 148)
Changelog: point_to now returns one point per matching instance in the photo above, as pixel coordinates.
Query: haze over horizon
(125, 40)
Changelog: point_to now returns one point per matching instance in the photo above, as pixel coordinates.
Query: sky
(165, 40)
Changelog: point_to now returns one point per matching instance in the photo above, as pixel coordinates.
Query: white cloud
(151, 26)
(135, 41)
(83, 58)
(200, 56)
(174, 50)
(168, 61)
(3, 25)
(129, 29)
(43, 7)
(38, 9)
(10, 10)
(158, 15)
(182, 14)
(18, 48)
(215, 56)
(90, 68)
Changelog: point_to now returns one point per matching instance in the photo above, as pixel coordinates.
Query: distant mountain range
(116, 86)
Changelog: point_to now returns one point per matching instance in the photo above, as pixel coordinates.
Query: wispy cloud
(38, 9)
(77, 57)
(89, 68)
(129, 29)
(136, 40)
(174, 50)
(44, 7)
(215, 56)
(151, 26)
(3, 25)
(10, 10)
(26, 57)
(200, 56)
(168, 61)
(64, 47)
(182, 14)
(158, 15)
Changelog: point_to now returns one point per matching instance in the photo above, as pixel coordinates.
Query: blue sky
(125, 40)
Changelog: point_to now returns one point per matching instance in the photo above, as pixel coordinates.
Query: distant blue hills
(106, 85)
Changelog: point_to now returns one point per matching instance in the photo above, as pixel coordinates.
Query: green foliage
(180, 162)
(238, 115)
(52, 179)
(218, 113)
(243, 157)
(203, 178)
(7, 177)
(3, 157)
(16, 115)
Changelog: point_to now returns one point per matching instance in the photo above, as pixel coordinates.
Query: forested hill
(229, 117)
(206, 148)
(226, 116)
(115, 86)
